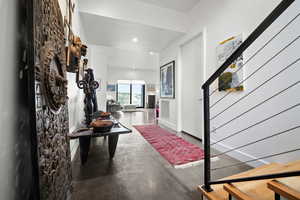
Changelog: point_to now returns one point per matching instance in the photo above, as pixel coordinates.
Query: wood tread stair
(257, 190)
(287, 187)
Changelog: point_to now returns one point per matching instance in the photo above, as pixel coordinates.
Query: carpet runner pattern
(174, 149)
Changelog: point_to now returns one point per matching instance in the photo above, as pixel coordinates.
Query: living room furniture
(129, 107)
(89, 86)
(113, 106)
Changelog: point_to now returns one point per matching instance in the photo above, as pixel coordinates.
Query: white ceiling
(118, 58)
(179, 5)
(119, 33)
(112, 24)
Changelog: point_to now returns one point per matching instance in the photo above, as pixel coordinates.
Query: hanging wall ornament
(54, 76)
(52, 120)
(75, 51)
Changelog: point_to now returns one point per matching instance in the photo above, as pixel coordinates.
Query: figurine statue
(89, 86)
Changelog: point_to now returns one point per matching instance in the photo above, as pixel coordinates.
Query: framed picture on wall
(111, 87)
(167, 80)
(232, 77)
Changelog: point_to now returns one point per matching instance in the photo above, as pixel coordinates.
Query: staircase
(243, 121)
(288, 188)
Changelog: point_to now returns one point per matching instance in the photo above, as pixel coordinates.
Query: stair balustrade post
(207, 175)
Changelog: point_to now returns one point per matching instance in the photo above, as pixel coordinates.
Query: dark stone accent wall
(51, 101)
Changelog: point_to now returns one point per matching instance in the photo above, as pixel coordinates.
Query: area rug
(177, 151)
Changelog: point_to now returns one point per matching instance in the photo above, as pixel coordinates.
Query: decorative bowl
(102, 126)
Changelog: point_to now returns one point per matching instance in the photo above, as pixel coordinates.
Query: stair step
(258, 190)
(220, 194)
(231, 189)
(286, 187)
(292, 182)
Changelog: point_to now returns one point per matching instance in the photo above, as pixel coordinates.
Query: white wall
(98, 62)
(113, 64)
(279, 103)
(173, 52)
(219, 20)
(169, 108)
(149, 76)
(224, 19)
(115, 74)
(76, 96)
(8, 85)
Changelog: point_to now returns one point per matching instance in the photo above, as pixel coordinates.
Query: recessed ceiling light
(135, 40)
(151, 53)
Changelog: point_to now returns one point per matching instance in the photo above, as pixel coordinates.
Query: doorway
(131, 92)
(192, 79)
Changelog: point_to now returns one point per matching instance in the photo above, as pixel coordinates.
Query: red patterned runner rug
(177, 151)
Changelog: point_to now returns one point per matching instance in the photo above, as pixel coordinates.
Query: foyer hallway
(138, 172)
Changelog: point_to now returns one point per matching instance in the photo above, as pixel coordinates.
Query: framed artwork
(167, 81)
(111, 87)
(232, 77)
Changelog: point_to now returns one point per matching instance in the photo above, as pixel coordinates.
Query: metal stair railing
(275, 14)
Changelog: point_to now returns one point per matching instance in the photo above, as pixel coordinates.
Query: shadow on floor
(138, 172)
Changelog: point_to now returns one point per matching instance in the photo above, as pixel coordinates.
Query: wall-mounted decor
(167, 80)
(111, 87)
(54, 80)
(75, 51)
(231, 78)
(75, 48)
(52, 121)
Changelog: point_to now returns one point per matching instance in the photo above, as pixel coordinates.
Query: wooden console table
(85, 139)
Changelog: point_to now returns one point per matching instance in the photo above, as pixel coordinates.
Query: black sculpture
(89, 86)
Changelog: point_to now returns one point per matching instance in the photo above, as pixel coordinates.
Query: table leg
(112, 144)
(84, 143)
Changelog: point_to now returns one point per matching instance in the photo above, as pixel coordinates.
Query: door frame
(203, 34)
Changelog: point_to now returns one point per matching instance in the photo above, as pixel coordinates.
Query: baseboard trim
(195, 163)
(239, 155)
(199, 139)
(167, 124)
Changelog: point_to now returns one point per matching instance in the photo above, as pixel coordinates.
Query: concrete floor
(138, 172)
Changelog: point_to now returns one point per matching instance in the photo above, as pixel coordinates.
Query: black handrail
(206, 94)
(255, 178)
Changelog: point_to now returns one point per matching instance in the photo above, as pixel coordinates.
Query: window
(131, 92)
(123, 93)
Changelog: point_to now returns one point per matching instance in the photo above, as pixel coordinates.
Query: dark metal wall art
(51, 101)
